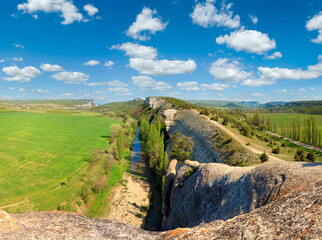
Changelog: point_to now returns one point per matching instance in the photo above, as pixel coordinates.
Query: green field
(288, 118)
(43, 157)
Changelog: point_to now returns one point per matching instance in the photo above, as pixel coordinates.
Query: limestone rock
(193, 164)
(219, 192)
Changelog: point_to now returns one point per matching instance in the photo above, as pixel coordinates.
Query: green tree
(120, 144)
(269, 122)
(256, 118)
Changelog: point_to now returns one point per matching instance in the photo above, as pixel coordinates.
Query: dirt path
(296, 142)
(242, 141)
(130, 201)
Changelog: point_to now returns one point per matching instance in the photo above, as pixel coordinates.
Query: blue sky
(118, 50)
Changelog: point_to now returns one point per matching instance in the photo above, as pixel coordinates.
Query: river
(155, 214)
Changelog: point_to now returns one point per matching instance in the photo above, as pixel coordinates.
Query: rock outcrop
(218, 192)
(209, 143)
(157, 103)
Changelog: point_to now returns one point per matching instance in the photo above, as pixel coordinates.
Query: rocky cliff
(209, 143)
(157, 103)
(214, 191)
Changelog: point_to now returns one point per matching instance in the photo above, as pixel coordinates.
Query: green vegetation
(59, 161)
(181, 147)
(61, 102)
(263, 157)
(119, 108)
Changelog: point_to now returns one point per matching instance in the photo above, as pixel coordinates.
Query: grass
(288, 118)
(43, 157)
(62, 102)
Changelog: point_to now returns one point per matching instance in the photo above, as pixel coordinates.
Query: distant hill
(52, 103)
(119, 107)
(226, 104)
(311, 107)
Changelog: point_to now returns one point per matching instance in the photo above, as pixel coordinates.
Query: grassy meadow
(288, 118)
(44, 157)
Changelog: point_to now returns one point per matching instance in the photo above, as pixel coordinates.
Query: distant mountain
(52, 103)
(226, 104)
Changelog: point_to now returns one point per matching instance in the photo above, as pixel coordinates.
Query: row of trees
(305, 131)
(152, 137)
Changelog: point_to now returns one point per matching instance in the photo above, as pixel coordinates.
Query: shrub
(276, 150)
(310, 157)
(283, 144)
(299, 156)
(263, 157)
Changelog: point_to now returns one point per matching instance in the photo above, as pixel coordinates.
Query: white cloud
(277, 92)
(320, 56)
(20, 75)
(22, 90)
(315, 23)
(214, 86)
(117, 83)
(253, 18)
(43, 91)
(247, 40)
(12, 88)
(188, 86)
(2, 60)
(268, 76)
(162, 67)
(145, 22)
(51, 68)
(109, 64)
(67, 95)
(274, 55)
(137, 50)
(145, 82)
(312, 88)
(71, 77)
(226, 70)
(120, 91)
(19, 59)
(302, 90)
(67, 9)
(258, 95)
(90, 9)
(17, 45)
(91, 63)
(207, 15)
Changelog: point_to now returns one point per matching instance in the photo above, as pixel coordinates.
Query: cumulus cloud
(137, 50)
(117, 83)
(43, 91)
(66, 95)
(66, 8)
(214, 86)
(51, 68)
(91, 63)
(315, 23)
(90, 9)
(18, 45)
(247, 40)
(120, 91)
(226, 70)
(2, 60)
(162, 67)
(19, 59)
(273, 56)
(145, 21)
(207, 15)
(71, 77)
(188, 86)
(269, 76)
(20, 75)
(22, 90)
(281, 91)
(109, 64)
(253, 18)
(258, 95)
(146, 82)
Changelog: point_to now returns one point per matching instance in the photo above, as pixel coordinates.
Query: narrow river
(155, 214)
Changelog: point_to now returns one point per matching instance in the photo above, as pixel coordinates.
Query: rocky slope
(209, 143)
(214, 191)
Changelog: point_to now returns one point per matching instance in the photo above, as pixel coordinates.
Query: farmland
(44, 157)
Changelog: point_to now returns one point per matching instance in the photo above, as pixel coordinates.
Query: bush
(310, 157)
(276, 150)
(299, 156)
(283, 144)
(263, 157)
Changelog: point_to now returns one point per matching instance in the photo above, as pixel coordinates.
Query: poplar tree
(268, 122)
(120, 144)
(298, 127)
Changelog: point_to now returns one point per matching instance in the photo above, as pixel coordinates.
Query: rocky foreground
(212, 201)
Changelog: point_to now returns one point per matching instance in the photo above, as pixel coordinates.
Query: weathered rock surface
(60, 225)
(157, 103)
(208, 145)
(219, 192)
